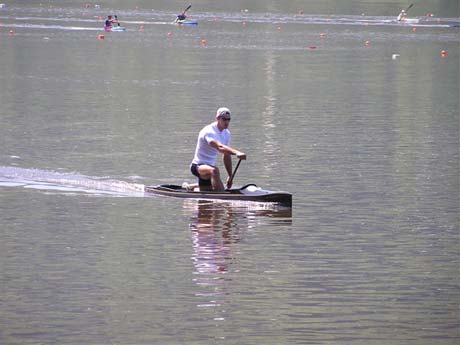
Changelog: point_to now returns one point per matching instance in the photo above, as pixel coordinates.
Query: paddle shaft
(234, 171)
(188, 7)
(408, 8)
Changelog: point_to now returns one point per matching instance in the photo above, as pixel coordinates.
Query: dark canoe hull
(244, 194)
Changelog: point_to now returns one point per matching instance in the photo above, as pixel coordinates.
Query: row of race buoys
(311, 47)
(322, 35)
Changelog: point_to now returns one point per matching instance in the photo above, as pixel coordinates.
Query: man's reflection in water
(216, 230)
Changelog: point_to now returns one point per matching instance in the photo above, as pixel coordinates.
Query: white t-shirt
(204, 152)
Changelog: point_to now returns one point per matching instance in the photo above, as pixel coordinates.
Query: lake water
(354, 114)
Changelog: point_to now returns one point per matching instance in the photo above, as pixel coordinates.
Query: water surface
(367, 142)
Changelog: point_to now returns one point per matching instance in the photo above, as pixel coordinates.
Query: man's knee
(215, 172)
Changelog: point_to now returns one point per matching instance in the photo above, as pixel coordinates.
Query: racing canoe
(409, 21)
(249, 192)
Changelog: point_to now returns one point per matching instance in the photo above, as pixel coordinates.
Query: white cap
(222, 111)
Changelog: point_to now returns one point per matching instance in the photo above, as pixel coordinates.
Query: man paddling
(212, 139)
(181, 17)
(402, 15)
(108, 23)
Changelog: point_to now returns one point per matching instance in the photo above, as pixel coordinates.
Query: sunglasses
(223, 117)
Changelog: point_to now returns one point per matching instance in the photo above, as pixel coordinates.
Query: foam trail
(65, 182)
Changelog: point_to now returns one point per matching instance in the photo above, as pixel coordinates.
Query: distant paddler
(403, 14)
(181, 17)
(108, 23)
(113, 24)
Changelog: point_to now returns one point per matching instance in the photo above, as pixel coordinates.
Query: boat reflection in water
(216, 226)
(216, 230)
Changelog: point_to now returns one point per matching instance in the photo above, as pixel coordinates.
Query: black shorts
(194, 170)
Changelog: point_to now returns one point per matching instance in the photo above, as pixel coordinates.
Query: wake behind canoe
(246, 193)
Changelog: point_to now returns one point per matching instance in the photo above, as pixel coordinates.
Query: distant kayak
(409, 21)
(186, 22)
(114, 28)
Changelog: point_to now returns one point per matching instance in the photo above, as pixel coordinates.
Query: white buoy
(395, 56)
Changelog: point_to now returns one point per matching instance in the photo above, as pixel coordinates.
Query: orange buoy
(443, 53)
(322, 35)
(244, 24)
(11, 32)
(141, 28)
(367, 43)
(312, 47)
(203, 43)
(414, 29)
(170, 34)
(279, 28)
(101, 37)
